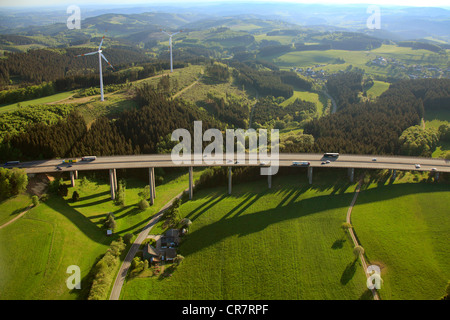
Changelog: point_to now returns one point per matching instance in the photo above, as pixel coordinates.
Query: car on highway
(262, 163)
(58, 168)
(88, 158)
(433, 169)
(417, 166)
(11, 163)
(300, 163)
(374, 159)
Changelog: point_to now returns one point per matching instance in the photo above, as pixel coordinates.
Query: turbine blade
(106, 60)
(101, 42)
(86, 54)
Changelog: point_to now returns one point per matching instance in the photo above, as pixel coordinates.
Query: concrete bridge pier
(269, 181)
(72, 179)
(351, 173)
(436, 177)
(229, 180)
(154, 183)
(310, 174)
(76, 174)
(151, 176)
(115, 179)
(191, 183)
(112, 184)
(394, 173)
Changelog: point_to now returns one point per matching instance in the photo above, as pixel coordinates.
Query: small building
(150, 253)
(168, 254)
(170, 239)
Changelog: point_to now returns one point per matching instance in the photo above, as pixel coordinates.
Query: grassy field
(282, 243)
(11, 207)
(92, 107)
(37, 249)
(405, 228)
(95, 200)
(358, 59)
(377, 89)
(435, 119)
(44, 100)
(313, 97)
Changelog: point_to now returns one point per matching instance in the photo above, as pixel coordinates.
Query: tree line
(376, 127)
(136, 131)
(46, 65)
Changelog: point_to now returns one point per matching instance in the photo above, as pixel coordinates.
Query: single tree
(35, 200)
(75, 196)
(357, 251)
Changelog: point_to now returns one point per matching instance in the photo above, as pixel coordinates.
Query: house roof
(172, 233)
(170, 253)
(151, 250)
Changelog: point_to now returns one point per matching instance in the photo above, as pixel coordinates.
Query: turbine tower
(100, 56)
(170, 45)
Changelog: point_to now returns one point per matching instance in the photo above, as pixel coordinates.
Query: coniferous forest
(358, 128)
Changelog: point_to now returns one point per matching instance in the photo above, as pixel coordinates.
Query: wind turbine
(170, 45)
(100, 56)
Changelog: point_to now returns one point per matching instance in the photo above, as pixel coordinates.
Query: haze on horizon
(57, 3)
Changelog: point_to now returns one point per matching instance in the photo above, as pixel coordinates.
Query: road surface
(285, 160)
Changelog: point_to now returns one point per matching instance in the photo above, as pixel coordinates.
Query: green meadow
(358, 59)
(313, 97)
(434, 119)
(260, 243)
(377, 89)
(287, 243)
(37, 248)
(12, 207)
(405, 228)
(49, 99)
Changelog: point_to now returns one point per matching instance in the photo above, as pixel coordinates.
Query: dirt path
(187, 88)
(355, 241)
(17, 217)
(36, 186)
(97, 96)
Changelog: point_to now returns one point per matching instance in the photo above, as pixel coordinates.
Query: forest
(344, 87)
(135, 131)
(267, 110)
(45, 65)
(376, 127)
(268, 83)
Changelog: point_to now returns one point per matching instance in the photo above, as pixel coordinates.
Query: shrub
(143, 204)
(63, 190)
(178, 259)
(103, 270)
(75, 196)
(346, 225)
(128, 238)
(35, 200)
(357, 251)
(110, 222)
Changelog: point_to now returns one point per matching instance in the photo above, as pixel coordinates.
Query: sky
(34, 3)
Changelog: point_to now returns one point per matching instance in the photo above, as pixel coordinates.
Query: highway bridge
(152, 161)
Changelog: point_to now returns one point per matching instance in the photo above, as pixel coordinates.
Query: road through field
(122, 274)
(355, 241)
